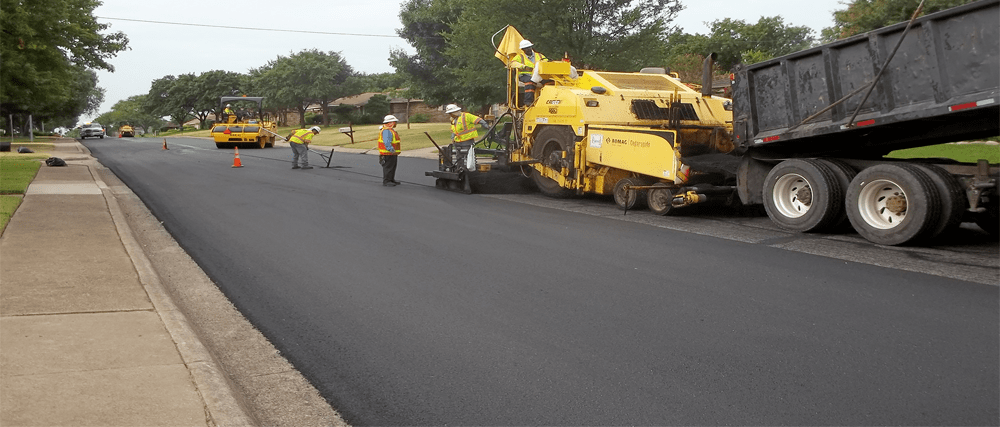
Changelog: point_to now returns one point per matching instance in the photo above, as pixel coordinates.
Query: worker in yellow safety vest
(388, 150)
(464, 132)
(230, 115)
(525, 62)
(299, 140)
(464, 125)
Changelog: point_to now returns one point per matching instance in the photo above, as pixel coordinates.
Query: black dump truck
(812, 128)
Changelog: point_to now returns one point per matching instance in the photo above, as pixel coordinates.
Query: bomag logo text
(628, 142)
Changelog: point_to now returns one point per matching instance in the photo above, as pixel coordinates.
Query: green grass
(19, 140)
(8, 204)
(965, 153)
(15, 175)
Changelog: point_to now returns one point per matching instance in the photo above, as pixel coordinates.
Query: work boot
(389, 184)
(295, 166)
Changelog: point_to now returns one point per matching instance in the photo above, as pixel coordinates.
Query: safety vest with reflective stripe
(464, 127)
(529, 64)
(302, 136)
(381, 144)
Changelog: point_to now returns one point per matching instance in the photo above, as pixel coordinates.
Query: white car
(92, 130)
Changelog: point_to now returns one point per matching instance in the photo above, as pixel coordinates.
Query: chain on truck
(805, 135)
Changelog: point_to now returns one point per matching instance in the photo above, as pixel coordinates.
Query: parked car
(92, 130)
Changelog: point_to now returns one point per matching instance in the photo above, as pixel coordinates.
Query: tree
(212, 85)
(381, 82)
(173, 97)
(730, 39)
(48, 48)
(865, 15)
(130, 111)
(305, 78)
(454, 61)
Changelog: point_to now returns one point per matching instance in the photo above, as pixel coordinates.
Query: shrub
(420, 118)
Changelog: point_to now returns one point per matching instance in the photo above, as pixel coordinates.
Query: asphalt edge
(223, 405)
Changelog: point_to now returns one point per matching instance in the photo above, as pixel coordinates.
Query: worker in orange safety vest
(388, 150)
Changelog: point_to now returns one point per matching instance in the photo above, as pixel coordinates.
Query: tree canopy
(735, 41)
(304, 78)
(454, 59)
(49, 50)
(865, 15)
(129, 111)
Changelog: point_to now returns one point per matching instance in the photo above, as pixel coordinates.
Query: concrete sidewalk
(87, 334)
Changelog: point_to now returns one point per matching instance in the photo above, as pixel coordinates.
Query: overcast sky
(158, 50)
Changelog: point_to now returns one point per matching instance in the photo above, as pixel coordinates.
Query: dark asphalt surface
(417, 306)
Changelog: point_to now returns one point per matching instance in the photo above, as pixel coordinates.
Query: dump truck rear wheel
(660, 199)
(953, 201)
(844, 174)
(893, 204)
(803, 195)
(549, 140)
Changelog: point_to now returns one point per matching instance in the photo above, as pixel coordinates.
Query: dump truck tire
(844, 174)
(953, 200)
(893, 204)
(803, 195)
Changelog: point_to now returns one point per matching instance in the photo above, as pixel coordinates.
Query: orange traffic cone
(236, 161)
(165, 144)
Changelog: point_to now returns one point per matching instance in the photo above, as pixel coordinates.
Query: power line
(246, 28)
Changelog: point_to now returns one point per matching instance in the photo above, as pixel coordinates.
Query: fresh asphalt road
(415, 306)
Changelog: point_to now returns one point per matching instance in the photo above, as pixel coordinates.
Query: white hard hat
(451, 108)
(390, 118)
(314, 129)
(228, 105)
(526, 43)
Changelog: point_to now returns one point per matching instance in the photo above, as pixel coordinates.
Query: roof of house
(363, 98)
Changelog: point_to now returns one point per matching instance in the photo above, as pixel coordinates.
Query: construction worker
(525, 62)
(228, 114)
(388, 150)
(463, 125)
(463, 132)
(299, 140)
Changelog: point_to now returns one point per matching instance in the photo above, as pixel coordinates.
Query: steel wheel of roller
(893, 204)
(803, 195)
